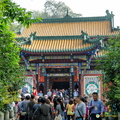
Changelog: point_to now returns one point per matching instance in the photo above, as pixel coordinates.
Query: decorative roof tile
(93, 28)
(64, 34)
(65, 45)
(100, 54)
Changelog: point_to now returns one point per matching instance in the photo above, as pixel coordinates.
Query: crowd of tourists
(56, 105)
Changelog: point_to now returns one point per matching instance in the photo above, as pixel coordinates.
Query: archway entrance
(60, 85)
(59, 82)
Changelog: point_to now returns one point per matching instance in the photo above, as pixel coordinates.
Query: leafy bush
(11, 73)
(111, 72)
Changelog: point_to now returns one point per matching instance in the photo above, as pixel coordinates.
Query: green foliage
(111, 72)
(11, 73)
(12, 12)
(53, 9)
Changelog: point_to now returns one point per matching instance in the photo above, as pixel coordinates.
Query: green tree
(53, 9)
(11, 74)
(111, 72)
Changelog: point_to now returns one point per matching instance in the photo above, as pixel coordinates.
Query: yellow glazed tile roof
(58, 45)
(100, 54)
(93, 28)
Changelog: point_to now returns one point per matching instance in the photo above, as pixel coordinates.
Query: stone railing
(9, 115)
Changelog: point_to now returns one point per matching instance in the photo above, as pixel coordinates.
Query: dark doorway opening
(41, 87)
(60, 85)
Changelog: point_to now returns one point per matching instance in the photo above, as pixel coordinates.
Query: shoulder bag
(58, 117)
(79, 113)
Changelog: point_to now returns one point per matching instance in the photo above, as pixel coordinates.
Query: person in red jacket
(35, 91)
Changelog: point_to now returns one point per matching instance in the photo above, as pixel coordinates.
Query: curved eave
(61, 53)
(60, 50)
(99, 57)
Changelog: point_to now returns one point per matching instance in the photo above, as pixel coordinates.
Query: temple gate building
(61, 53)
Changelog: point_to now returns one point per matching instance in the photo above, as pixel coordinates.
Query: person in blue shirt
(40, 94)
(75, 94)
(96, 107)
(24, 89)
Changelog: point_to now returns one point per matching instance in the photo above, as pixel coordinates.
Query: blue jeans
(63, 118)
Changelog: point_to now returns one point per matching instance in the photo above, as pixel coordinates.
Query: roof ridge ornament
(33, 34)
(67, 14)
(87, 39)
(108, 14)
(85, 36)
(102, 43)
(32, 37)
(22, 41)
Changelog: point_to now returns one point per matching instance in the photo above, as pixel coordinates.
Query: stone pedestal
(6, 115)
(1, 115)
(12, 114)
(15, 109)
